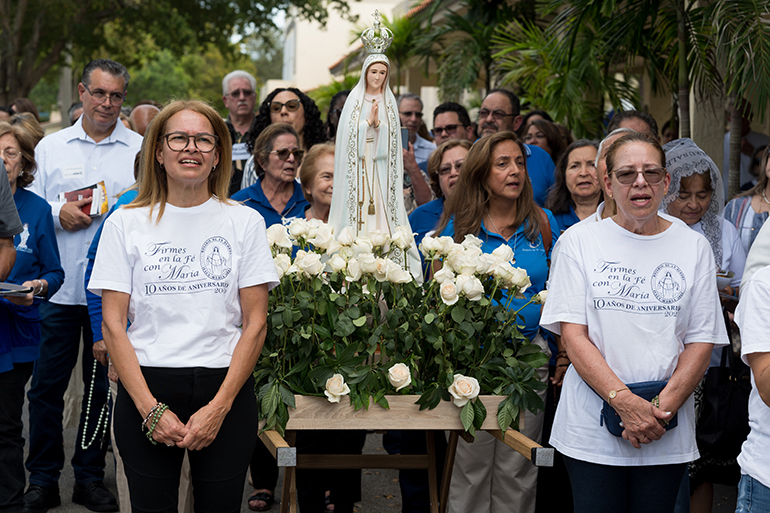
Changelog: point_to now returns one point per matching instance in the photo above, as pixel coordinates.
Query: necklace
(103, 414)
(500, 233)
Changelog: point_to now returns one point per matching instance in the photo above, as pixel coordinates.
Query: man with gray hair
(239, 96)
(97, 148)
(416, 188)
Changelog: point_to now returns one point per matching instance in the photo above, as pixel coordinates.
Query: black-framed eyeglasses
(291, 106)
(284, 153)
(627, 175)
(336, 112)
(497, 114)
(180, 141)
(100, 96)
(246, 93)
(448, 129)
(410, 113)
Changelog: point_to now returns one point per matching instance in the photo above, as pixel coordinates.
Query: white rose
(449, 293)
(399, 376)
(429, 246)
(443, 275)
(337, 263)
(282, 263)
(368, 263)
(379, 238)
(519, 279)
(336, 388)
(396, 274)
(345, 252)
(447, 245)
(463, 389)
(403, 237)
(309, 263)
(486, 263)
(504, 253)
(473, 252)
(380, 270)
(278, 237)
(324, 237)
(471, 241)
(346, 237)
(540, 297)
(504, 271)
(298, 228)
(470, 286)
(313, 225)
(467, 264)
(362, 245)
(353, 271)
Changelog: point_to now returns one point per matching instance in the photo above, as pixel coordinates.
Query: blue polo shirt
(425, 218)
(541, 169)
(255, 198)
(566, 220)
(530, 256)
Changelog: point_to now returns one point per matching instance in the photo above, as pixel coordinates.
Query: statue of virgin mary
(368, 158)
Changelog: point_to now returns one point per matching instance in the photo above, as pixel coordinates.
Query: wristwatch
(614, 393)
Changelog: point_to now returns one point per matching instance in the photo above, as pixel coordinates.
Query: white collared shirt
(68, 160)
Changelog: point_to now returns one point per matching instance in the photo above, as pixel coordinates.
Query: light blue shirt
(68, 160)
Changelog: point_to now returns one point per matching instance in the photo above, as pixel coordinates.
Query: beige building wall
(309, 50)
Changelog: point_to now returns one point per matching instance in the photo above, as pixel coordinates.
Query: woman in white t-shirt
(190, 271)
(754, 321)
(634, 299)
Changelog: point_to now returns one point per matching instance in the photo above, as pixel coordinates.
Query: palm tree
(572, 93)
(323, 95)
(742, 40)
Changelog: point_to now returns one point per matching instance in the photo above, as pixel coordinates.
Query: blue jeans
(62, 326)
(753, 496)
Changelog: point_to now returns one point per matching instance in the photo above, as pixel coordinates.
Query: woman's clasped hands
(201, 429)
(643, 423)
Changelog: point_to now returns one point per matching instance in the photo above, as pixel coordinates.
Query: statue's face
(376, 76)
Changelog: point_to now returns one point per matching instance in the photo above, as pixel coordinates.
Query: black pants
(610, 489)
(344, 484)
(218, 471)
(12, 477)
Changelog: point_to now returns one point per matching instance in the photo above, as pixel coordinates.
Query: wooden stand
(314, 413)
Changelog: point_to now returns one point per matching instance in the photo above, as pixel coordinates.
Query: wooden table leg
(449, 461)
(432, 478)
(289, 489)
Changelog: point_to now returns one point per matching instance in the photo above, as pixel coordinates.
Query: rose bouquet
(348, 320)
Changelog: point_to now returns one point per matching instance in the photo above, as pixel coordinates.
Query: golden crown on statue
(377, 39)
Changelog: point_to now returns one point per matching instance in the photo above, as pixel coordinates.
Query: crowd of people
(169, 292)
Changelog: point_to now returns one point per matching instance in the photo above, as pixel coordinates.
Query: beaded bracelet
(155, 418)
(149, 415)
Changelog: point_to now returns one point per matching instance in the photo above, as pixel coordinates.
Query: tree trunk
(684, 79)
(734, 182)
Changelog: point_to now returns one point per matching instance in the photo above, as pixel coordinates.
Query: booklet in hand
(98, 194)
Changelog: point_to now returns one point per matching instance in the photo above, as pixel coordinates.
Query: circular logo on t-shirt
(668, 283)
(216, 258)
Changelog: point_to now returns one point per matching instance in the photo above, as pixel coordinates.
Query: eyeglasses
(179, 141)
(10, 154)
(627, 176)
(336, 112)
(291, 106)
(100, 96)
(497, 114)
(283, 154)
(246, 93)
(449, 129)
(410, 113)
(447, 168)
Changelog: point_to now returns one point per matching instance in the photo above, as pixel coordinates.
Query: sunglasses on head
(291, 106)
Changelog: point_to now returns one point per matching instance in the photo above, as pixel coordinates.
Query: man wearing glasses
(500, 111)
(416, 190)
(240, 97)
(451, 121)
(96, 148)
